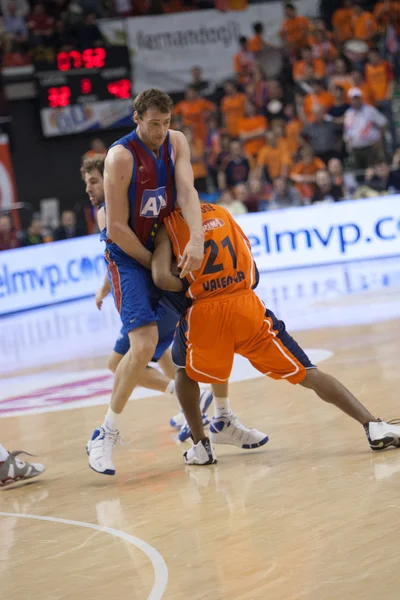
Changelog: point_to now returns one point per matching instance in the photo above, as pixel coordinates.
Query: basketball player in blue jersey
(92, 170)
(146, 173)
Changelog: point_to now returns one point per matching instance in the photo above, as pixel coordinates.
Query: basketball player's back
(228, 266)
(226, 316)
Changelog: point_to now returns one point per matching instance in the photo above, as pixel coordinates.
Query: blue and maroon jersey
(152, 192)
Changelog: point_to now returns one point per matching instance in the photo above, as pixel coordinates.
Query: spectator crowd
(320, 128)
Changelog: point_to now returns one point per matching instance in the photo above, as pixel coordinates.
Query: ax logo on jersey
(153, 201)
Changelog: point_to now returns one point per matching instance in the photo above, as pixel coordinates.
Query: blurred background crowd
(304, 121)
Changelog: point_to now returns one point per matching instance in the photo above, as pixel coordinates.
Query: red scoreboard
(82, 84)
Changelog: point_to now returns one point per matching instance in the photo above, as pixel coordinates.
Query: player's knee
(143, 342)
(311, 379)
(114, 361)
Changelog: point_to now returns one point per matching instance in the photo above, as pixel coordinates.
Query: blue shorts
(166, 330)
(135, 295)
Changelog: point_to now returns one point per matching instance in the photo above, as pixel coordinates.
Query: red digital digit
(99, 57)
(63, 61)
(120, 89)
(59, 96)
(76, 58)
(87, 58)
(86, 86)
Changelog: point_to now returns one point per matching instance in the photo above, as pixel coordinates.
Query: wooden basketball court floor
(313, 515)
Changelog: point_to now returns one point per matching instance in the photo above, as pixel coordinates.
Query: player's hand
(100, 295)
(192, 257)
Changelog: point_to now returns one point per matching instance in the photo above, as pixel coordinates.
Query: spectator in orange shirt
(387, 12)
(232, 108)
(271, 161)
(341, 77)
(307, 59)
(379, 76)
(295, 29)
(197, 158)
(363, 24)
(278, 127)
(366, 91)
(256, 43)
(194, 112)
(293, 129)
(243, 61)
(303, 173)
(320, 96)
(322, 48)
(252, 129)
(341, 21)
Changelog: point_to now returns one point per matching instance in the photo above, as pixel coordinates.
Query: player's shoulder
(177, 139)
(119, 156)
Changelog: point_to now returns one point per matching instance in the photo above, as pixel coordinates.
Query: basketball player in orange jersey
(226, 317)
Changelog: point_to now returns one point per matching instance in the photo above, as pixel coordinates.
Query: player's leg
(135, 297)
(284, 359)
(332, 391)
(166, 364)
(380, 434)
(14, 471)
(188, 392)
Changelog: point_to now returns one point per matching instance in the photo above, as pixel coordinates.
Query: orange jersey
(232, 108)
(341, 22)
(274, 159)
(228, 266)
(295, 31)
(255, 44)
(364, 26)
(378, 77)
(194, 114)
(324, 99)
(249, 124)
(386, 15)
(299, 69)
(293, 130)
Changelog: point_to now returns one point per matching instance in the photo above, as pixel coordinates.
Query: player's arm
(161, 264)
(188, 200)
(105, 289)
(117, 177)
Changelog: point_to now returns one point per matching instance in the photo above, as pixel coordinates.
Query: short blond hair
(152, 98)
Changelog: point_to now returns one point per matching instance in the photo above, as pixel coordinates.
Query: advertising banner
(322, 234)
(165, 48)
(91, 116)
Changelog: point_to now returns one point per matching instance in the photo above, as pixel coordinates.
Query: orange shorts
(211, 332)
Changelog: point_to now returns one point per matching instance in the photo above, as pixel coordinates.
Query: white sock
(170, 389)
(111, 420)
(221, 407)
(3, 454)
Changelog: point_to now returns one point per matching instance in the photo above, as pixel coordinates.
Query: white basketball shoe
(229, 430)
(382, 434)
(100, 450)
(201, 453)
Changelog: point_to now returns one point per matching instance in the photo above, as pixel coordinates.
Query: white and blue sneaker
(178, 421)
(229, 430)
(185, 432)
(100, 450)
(206, 398)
